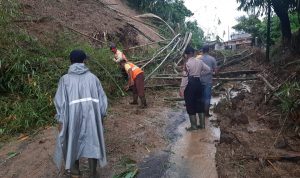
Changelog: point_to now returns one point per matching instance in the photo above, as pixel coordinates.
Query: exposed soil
(251, 130)
(91, 17)
(130, 133)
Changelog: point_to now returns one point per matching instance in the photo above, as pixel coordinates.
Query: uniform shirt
(119, 56)
(212, 64)
(194, 68)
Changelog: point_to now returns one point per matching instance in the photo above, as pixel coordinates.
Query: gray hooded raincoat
(81, 105)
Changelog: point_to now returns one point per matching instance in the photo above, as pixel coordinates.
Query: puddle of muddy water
(194, 152)
(190, 154)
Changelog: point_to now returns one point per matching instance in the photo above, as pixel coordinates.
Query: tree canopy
(174, 12)
(282, 8)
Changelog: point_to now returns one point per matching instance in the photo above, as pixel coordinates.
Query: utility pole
(268, 32)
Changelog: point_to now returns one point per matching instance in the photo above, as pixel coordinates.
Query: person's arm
(102, 99)
(205, 69)
(60, 104)
(184, 82)
(130, 81)
(215, 66)
(119, 56)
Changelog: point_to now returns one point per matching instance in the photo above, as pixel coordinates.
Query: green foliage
(253, 25)
(290, 97)
(281, 7)
(30, 71)
(174, 12)
(130, 167)
(198, 34)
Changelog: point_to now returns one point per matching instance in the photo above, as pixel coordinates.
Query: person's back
(81, 105)
(207, 79)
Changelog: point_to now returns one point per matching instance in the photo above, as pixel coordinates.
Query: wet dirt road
(194, 152)
(189, 154)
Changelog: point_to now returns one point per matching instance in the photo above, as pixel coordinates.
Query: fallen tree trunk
(219, 79)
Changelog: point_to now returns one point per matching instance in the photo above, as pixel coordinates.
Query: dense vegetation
(282, 8)
(29, 73)
(174, 12)
(257, 28)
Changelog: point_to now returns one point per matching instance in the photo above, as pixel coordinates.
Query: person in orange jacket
(135, 82)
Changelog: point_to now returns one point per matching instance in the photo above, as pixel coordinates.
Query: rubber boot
(144, 102)
(207, 111)
(135, 99)
(193, 121)
(75, 172)
(201, 120)
(92, 167)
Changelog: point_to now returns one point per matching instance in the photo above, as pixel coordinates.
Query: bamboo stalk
(162, 61)
(112, 78)
(161, 51)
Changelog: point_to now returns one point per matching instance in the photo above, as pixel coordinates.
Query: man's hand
(59, 127)
(180, 93)
(126, 88)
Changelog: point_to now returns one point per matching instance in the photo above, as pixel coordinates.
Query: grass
(30, 71)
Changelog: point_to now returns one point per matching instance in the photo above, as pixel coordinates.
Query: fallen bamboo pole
(162, 61)
(266, 82)
(231, 62)
(239, 72)
(218, 79)
(161, 51)
(112, 78)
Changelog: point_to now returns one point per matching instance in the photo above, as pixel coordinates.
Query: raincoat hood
(78, 68)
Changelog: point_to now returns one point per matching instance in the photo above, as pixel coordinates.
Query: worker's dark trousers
(193, 96)
(139, 85)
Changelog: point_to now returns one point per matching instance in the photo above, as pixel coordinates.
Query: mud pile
(257, 140)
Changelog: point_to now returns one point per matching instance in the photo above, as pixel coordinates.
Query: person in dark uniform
(192, 88)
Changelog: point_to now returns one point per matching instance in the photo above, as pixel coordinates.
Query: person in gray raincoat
(81, 105)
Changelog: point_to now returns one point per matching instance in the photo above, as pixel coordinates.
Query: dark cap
(77, 56)
(205, 48)
(112, 45)
(189, 50)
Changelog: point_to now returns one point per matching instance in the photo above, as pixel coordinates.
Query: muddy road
(154, 138)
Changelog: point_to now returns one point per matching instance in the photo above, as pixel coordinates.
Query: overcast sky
(209, 12)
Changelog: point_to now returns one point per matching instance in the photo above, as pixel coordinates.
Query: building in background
(238, 41)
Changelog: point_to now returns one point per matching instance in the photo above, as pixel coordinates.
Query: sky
(209, 13)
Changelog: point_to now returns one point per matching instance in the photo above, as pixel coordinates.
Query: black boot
(144, 102)
(193, 121)
(74, 172)
(135, 100)
(93, 166)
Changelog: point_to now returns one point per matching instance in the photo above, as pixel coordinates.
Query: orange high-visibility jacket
(135, 70)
